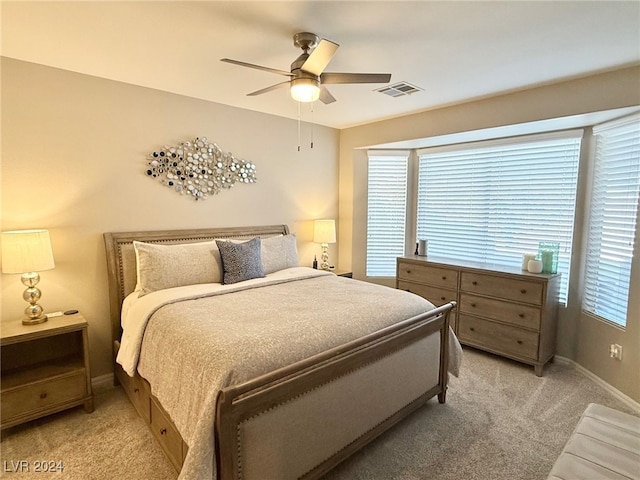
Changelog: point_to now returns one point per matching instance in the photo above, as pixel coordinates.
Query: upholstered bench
(605, 445)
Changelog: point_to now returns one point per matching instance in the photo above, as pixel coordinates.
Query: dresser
(502, 310)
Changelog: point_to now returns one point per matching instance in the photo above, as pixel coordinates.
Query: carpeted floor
(500, 422)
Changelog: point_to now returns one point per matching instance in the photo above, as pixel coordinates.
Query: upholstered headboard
(121, 258)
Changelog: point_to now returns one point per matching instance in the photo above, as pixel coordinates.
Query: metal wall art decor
(198, 168)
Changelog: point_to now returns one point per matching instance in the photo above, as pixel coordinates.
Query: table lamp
(28, 252)
(324, 232)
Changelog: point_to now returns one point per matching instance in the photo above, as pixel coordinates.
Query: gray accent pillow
(279, 253)
(240, 261)
(168, 266)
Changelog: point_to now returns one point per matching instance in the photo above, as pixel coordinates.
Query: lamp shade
(26, 251)
(324, 231)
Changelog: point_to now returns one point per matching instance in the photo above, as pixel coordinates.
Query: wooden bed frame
(252, 410)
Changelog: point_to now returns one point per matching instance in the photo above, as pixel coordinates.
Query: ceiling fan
(307, 78)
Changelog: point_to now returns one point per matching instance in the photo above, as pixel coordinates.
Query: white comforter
(191, 342)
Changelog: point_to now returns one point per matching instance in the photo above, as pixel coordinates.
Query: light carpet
(500, 422)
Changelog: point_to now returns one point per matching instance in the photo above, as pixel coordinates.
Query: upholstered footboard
(301, 421)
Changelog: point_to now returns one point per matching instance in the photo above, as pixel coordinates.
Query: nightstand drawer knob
(523, 291)
(521, 315)
(472, 329)
(519, 342)
(43, 395)
(444, 278)
(474, 283)
(408, 272)
(473, 305)
(443, 298)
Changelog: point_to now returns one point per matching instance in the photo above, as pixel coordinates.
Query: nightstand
(44, 369)
(343, 273)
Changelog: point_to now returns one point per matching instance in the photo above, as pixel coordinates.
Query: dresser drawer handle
(444, 278)
(443, 298)
(474, 283)
(521, 315)
(163, 431)
(43, 395)
(519, 342)
(523, 291)
(473, 305)
(136, 390)
(472, 329)
(408, 272)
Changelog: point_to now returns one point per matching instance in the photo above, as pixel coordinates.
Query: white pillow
(279, 253)
(168, 266)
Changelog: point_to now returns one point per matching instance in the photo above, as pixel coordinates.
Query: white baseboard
(102, 383)
(630, 402)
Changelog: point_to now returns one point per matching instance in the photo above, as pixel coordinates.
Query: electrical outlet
(615, 351)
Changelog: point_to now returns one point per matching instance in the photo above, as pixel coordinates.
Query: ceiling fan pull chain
(298, 126)
(312, 124)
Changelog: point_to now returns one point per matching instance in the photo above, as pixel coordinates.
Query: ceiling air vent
(399, 89)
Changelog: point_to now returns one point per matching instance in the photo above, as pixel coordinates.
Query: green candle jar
(548, 253)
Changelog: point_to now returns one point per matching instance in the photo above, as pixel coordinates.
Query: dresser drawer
(503, 287)
(138, 392)
(43, 395)
(497, 337)
(167, 434)
(441, 277)
(513, 313)
(437, 296)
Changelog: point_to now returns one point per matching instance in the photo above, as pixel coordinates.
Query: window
(493, 201)
(612, 220)
(386, 213)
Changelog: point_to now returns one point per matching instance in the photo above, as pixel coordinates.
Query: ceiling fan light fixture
(305, 89)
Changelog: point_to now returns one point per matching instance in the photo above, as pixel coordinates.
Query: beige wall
(580, 337)
(73, 158)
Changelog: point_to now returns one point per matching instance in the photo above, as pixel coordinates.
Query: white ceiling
(454, 50)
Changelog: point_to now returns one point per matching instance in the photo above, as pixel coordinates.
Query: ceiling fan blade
(334, 78)
(268, 89)
(257, 67)
(325, 95)
(320, 57)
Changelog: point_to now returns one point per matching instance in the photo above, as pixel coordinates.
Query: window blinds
(612, 221)
(493, 201)
(386, 212)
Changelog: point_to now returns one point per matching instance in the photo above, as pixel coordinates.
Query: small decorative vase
(525, 260)
(534, 266)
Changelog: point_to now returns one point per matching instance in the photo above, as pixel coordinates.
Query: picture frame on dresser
(502, 310)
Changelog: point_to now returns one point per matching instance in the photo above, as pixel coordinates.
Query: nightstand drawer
(167, 434)
(513, 313)
(441, 277)
(437, 296)
(498, 337)
(502, 287)
(43, 395)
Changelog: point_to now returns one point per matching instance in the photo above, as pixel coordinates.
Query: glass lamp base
(34, 321)
(33, 313)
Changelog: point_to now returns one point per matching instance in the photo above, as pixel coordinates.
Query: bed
(273, 376)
